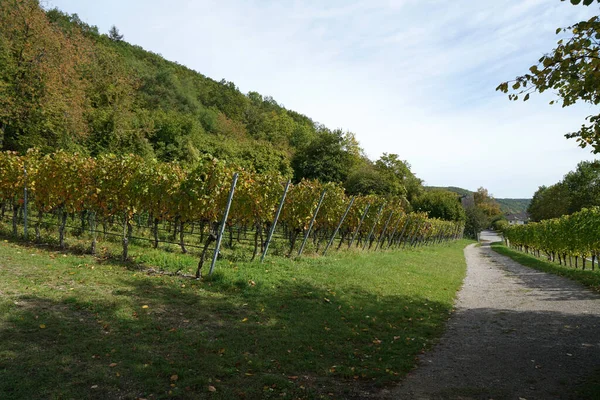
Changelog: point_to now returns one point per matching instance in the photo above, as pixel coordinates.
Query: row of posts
(312, 221)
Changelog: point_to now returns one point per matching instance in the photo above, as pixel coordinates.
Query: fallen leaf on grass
(42, 326)
(112, 365)
(145, 306)
(174, 377)
(212, 389)
(245, 320)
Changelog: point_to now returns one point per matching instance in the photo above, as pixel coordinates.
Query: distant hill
(513, 206)
(454, 189)
(508, 206)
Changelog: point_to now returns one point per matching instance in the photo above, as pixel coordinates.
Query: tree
(328, 158)
(583, 186)
(400, 178)
(577, 190)
(42, 95)
(549, 202)
(441, 204)
(476, 221)
(486, 203)
(115, 35)
(571, 69)
(367, 180)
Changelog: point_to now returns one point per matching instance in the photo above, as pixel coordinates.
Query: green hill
(513, 206)
(508, 206)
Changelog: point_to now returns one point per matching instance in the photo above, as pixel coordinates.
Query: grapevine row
(123, 188)
(576, 235)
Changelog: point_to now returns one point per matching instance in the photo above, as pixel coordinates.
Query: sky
(411, 77)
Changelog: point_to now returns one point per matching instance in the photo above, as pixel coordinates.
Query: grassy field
(75, 326)
(586, 277)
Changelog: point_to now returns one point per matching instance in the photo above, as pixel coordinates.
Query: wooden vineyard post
(272, 230)
(359, 225)
(312, 221)
(374, 225)
(384, 230)
(339, 226)
(222, 227)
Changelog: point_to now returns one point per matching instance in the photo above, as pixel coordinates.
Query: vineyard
(560, 239)
(213, 209)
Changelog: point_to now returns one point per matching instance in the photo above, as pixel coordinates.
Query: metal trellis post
(222, 227)
(312, 221)
(272, 230)
(374, 225)
(339, 226)
(359, 225)
(391, 239)
(384, 230)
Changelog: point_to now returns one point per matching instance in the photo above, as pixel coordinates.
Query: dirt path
(516, 334)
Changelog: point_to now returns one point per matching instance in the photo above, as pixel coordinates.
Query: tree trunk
(93, 231)
(155, 233)
(256, 234)
(294, 235)
(181, 236)
(125, 236)
(82, 216)
(61, 229)
(212, 237)
(15, 217)
(38, 234)
(175, 226)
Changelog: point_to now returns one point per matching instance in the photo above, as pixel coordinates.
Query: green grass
(75, 326)
(586, 277)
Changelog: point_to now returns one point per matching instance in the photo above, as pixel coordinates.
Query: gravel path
(516, 334)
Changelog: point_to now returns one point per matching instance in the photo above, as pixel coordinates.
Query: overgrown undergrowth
(75, 326)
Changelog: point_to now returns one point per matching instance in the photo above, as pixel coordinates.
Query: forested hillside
(513, 206)
(64, 85)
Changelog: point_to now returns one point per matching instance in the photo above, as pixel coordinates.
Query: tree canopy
(440, 204)
(572, 70)
(577, 190)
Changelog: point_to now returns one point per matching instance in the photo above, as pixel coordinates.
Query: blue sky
(412, 77)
